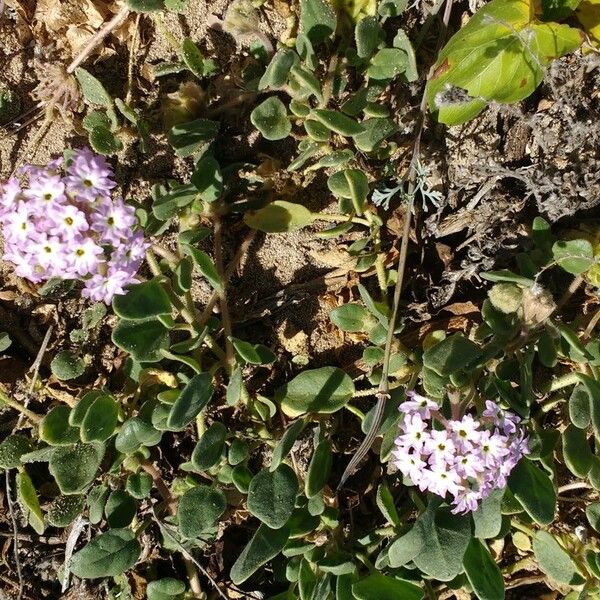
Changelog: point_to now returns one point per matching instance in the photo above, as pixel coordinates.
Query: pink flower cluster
(62, 221)
(466, 459)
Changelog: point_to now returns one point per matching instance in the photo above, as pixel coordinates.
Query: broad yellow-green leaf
(500, 55)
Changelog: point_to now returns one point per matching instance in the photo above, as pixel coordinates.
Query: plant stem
(222, 291)
(335, 218)
(383, 393)
(170, 504)
(564, 381)
(6, 399)
(355, 411)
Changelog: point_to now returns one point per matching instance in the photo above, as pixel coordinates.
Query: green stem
(4, 398)
(355, 411)
(565, 381)
(335, 218)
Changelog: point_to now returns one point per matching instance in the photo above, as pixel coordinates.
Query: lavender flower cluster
(466, 459)
(62, 221)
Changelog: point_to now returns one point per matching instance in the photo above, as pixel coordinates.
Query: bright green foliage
(11, 450)
(319, 469)
(279, 216)
(30, 504)
(323, 390)
(500, 54)
(107, 555)
(574, 256)
(134, 433)
(120, 509)
(451, 355)
(93, 91)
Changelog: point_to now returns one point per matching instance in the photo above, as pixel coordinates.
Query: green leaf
(500, 54)
(483, 572)
(107, 555)
(547, 351)
(406, 547)
(139, 485)
(205, 265)
(272, 495)
(271, 119)
(30, 504)
(574, 256)
(508, 276)
(317, 131)
(187, 138)
(255, 354)
(11, 450)
(352, 184)
(376, 131)
(452, 354)
(74, 467)
(5, 341)
(55, 428)
(145, 5)
(179, 6)
(445, 539)
(143, 301)
(93, 91)
(278, 71)
(265, 544)
(238, 452)
(368, 35)
(144, 340)
(165, 589)
(104, 141)
(96, 500)
(592, 512)
(576, 451)
(323, 390)
(557, 10)
(278, 217)
(120, 509)
(134, 434)
(402, 41)
(193, 399)
(65, 509)
(66, 365)
(167, 205)
(287, 440)
(319, 469)
(182, 276)
(309, 83)
(380, 587)
(100, 420)
(352, 317)
(392, 8)
(199, 509)
(207, 179)
(534, 490)
(193, 58)
(338, 122)
(317, 20)
(210, 446)
(387, 64)
(488, 516)
(554, 560)
(387, 506)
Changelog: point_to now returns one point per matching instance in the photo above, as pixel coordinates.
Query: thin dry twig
(383, 394)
